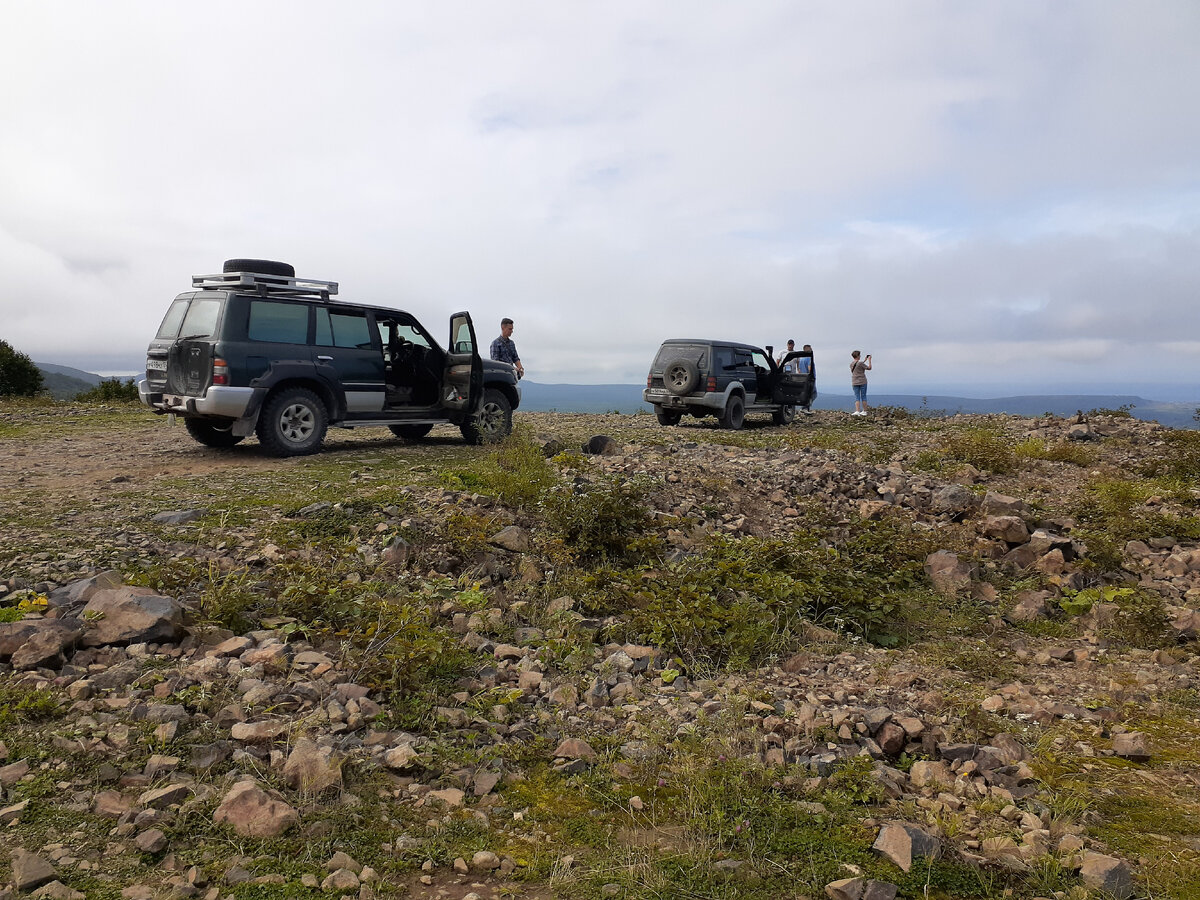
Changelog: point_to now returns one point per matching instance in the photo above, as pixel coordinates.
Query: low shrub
(981, 447)
(606, 519)
(110, 391)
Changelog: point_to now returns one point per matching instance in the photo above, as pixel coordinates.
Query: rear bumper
(218, 401)
(667, 400)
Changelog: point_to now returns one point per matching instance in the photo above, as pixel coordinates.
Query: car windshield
(697, 353)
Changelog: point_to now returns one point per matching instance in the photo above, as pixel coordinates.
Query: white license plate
(156, 365)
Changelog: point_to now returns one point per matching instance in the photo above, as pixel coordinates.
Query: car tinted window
(349, 329)
(201, 318)
(278, 323)
(173, 319)
(697, 353)
(726, 359)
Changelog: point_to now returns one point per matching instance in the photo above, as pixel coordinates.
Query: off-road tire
(734, 414)
(260, 266)
(210, 435)
(785, 415)
(292, 423)
(492, 423)
(667, 416)
(410, 432)
(680, 376)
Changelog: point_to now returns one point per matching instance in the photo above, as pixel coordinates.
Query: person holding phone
(859, 367)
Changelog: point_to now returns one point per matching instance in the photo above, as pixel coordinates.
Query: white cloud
(939, 181)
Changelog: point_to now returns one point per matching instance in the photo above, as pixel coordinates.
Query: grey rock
(179, 516)
(131, 615)
(902, 842)
(30, 871)
(1133, 745)
(513, 538)
(1108, 874)
(602, 445)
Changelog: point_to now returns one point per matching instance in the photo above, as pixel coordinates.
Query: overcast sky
(990, 197)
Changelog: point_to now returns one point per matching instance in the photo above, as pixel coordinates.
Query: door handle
(325, 358)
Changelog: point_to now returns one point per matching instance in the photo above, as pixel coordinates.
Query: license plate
(156, 365)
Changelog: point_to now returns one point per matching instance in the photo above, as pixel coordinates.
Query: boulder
(47, 646)
(902, 842)
(1132, 745)
(602, 445)
(1108, 874)
(513, 538)
(30, 871)
(311, 769)
(953, 500)
(1010, 529)
(948, 573)
(252, 812)
(129, 615)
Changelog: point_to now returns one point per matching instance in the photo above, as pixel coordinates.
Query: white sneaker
(808, 412)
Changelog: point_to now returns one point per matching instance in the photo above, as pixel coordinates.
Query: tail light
(220, 371)
(711, 384)
(649, 379)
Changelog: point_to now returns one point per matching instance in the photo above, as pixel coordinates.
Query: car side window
(760, 361)
(343, 328)
(726, 359)
(278, 323)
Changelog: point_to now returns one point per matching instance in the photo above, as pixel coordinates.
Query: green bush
(601, 520)
(19, 375)
(110, 391)
(742, 601)
(981, 447)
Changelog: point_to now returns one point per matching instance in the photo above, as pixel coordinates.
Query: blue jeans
(860, 393)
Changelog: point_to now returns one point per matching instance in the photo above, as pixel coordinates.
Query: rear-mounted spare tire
(260, 267)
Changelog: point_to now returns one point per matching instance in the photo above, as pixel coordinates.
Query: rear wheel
(410, 432)
(211, 435)
(492, 423)
(784, 415)
(667, 416)
(293, 423)
(734, 414)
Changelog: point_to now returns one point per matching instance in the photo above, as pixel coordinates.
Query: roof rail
(279, 285)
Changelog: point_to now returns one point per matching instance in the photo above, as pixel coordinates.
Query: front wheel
(492, 423)
(784, 415)
(293, 423)
(734, 414)
(667, 416)
(410, 432)
(210, 435)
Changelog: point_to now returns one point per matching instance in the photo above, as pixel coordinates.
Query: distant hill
(63, 382)
(627, 398)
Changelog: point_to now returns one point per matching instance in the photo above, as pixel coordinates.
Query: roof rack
(279, 285)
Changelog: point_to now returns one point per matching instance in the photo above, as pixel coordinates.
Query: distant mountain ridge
(64, 382)
(627, 398)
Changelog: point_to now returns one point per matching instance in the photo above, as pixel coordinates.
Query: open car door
(462, 383)
(795, 387)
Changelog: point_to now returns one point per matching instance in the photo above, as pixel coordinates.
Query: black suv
(726, 380)
(257, 350)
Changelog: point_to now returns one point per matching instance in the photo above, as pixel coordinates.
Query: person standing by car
(504, 349)
(808, 366)
(790, 365)
(859, 367)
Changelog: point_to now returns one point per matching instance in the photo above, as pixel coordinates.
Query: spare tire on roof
(260, 266)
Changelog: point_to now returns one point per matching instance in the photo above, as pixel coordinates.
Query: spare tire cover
(260, 266)
(681, 376)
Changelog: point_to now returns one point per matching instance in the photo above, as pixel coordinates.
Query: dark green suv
(724, 379)
(256, 350)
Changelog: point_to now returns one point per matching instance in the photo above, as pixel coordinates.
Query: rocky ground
(407, 669)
